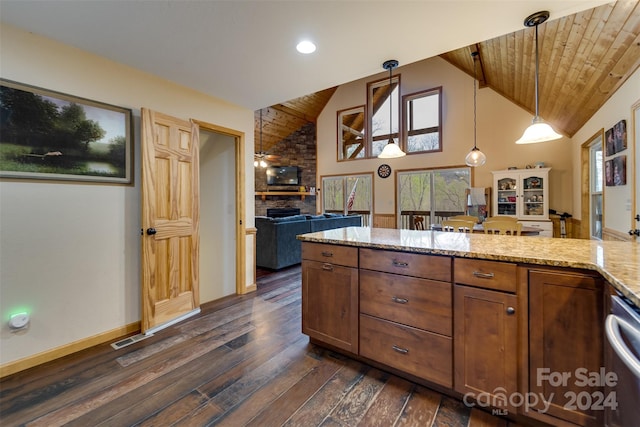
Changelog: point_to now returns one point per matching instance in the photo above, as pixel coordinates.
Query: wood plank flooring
(242, 361)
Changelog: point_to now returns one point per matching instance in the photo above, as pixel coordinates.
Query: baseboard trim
(58, 352)
(610, 234)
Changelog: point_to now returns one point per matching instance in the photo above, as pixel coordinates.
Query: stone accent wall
(298, 149)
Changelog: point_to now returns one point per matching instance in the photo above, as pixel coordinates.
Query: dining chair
(500, 226)
(502, 218)
(465, 217)
(418, 222)
(459, 225)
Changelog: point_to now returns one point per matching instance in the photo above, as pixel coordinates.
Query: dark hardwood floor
(242, 361)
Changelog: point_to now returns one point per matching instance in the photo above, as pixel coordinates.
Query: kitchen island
(486, 318)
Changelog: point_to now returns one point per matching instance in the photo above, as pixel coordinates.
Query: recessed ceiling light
(306, 47)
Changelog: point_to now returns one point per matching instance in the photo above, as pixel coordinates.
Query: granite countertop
(617, 262)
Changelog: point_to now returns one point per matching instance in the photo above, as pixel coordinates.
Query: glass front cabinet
(522, 193)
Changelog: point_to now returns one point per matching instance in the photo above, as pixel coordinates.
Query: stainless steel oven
(622, 356)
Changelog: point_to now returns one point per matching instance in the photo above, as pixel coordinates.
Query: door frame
(241, 260)
(585, 190)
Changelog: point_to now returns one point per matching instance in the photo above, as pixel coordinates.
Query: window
(432, 194)
(364, 132)
(381, 96)
(336, 192)
(422, 121)
(351, 134)
(595, 190)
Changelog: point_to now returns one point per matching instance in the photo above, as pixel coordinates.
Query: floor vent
(129, 340)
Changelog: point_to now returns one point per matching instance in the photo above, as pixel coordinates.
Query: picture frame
(620, 170)
(616, 138)
(48, 135)
(620, 135)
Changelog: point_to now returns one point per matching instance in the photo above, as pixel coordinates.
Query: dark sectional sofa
(276, 243)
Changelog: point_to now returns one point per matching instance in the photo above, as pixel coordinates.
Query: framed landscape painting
(54, 136)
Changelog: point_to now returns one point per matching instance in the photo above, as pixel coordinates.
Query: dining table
(479, 228)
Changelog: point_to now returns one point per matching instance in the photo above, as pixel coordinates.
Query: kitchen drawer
(421, 303)
(408, 264)
(414, 351)
(500, 276)
(334, 254)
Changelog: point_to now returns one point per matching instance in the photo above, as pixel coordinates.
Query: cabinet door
(330, 304)
(485, 344)
(566, 334)
(533, 196)
(505, 194)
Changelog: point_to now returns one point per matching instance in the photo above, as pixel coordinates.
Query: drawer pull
(328, 267)
(327, 254)
(399, 300)
(400, 264)
(483, 275)
(400, 349)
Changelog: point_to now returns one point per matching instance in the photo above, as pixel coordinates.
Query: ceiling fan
(260, 157)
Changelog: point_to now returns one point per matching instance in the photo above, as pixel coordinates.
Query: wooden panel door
(330, 304)
(566, 324)
(170, 218)
(486, 344)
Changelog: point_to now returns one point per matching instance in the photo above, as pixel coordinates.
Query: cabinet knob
(511, 310)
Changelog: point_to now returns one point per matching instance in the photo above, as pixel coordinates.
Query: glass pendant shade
(391, 151)
(539, 131)
(475, 158)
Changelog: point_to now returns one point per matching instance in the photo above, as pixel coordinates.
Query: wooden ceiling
(281, 120)
(584, 58)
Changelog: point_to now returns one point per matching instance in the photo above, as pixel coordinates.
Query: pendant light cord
(390, 106)
(261, 131)
(474, 101)
(537, 70)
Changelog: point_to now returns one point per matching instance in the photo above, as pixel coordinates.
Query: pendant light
(259, 157)
(475, 156)
(391, 150)
(539, 131)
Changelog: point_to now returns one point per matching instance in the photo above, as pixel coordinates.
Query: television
(283, 175)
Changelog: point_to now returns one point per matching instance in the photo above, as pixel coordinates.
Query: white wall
(617, 200)
(500, 124)
(70, 252)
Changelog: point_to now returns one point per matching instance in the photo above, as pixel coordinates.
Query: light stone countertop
(617, 262)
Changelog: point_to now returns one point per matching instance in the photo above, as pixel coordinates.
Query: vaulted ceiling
(584, 58)
(243, 51)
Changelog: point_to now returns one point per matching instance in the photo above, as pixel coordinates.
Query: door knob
(151, 231)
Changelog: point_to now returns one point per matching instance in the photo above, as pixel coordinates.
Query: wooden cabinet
(486, 331)
(493, 331)
(406, 313)
(330, 294)
(566, 335)
(523, 193)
